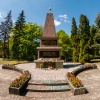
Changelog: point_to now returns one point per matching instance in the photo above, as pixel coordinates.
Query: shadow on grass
(71, 65)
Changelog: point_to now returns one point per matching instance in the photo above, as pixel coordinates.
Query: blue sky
(63, 11)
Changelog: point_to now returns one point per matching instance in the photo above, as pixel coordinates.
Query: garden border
(15, 90)
(83, 68)
(76, 91)
(80, 90)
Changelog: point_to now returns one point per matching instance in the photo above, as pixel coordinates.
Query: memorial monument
(49, 50)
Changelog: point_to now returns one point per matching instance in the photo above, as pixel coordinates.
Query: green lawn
(10, 61)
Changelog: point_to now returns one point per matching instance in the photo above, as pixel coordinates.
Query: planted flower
(41, 65)
(19, 81)
(74, 80)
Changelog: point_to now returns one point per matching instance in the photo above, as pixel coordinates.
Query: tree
(97, 35)
(92, 33)
(5, 28)
(97, 20)
(65, 42)
(75, 40)
(85, 41)
(97, 43)
(18, 32)
(29, 41)
(1, 44)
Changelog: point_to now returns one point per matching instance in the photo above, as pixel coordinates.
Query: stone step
(48, 82)
(45, 88)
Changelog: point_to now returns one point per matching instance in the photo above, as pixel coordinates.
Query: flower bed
(74, 80)
(19, 84)
(75, 84)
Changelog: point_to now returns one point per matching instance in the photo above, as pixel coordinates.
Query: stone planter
(17, 91)
(76, 91)
(12, 67)
(19, 70)
(83, 68)
(7, 66)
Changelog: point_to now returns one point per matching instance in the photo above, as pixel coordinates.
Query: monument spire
(49, 27)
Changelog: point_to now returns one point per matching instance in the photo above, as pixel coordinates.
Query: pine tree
(5, 28)
(85, 39)
(18, 32)
(97, 35)
(92, 33)
(75, 40)
(97, 20)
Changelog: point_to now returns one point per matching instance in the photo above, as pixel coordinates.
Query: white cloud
(63, 16)
(57, 23)
(0, 15)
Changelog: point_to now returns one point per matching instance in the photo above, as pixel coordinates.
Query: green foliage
(65, 42)
(97, 43)
(1, 47)
(75, 40)
(18, 31)
(97, 20)
(85, 41)
(29, 41)
(74, 28)
(5, 28)
(97, 36)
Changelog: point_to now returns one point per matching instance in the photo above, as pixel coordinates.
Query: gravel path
(42, 74)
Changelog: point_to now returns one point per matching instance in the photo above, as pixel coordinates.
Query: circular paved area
(90, 79)
(42, 74)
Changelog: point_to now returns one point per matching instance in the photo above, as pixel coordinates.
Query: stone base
(46, 64)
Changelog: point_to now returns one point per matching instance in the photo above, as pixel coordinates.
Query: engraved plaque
(49, 42)
(49, 54)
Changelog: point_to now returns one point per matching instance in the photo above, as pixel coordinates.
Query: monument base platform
(45, 63)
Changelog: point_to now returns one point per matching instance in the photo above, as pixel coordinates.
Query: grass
(7, 61)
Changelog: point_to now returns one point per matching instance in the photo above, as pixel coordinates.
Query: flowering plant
(19, 81)
(74, 80)
(41, 65)
(50, 67)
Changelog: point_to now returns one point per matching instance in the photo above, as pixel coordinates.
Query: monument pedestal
(47, 63)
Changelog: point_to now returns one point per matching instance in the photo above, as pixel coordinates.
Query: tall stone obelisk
(49, 48)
